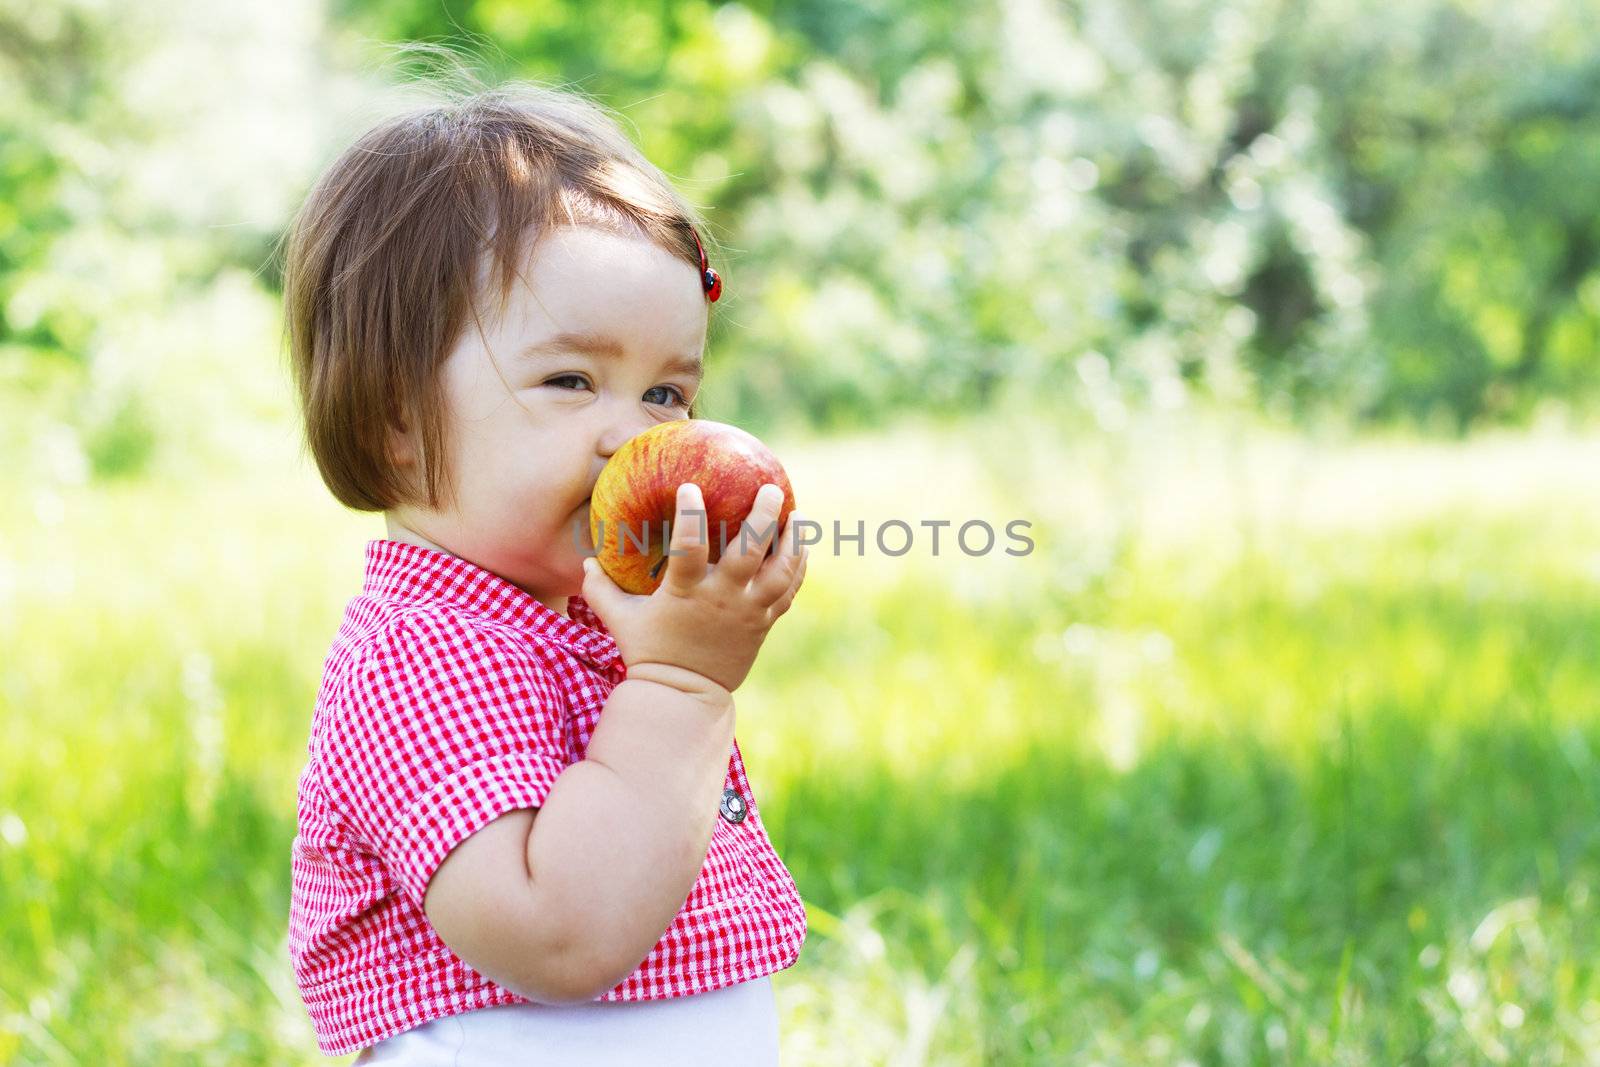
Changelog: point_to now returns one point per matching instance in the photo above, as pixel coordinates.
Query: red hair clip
(709, 279)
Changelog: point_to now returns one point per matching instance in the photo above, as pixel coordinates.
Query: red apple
(635, 499)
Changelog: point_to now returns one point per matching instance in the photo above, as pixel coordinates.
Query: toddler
(525, 831)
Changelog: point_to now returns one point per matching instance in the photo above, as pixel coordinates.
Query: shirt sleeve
(444, 726)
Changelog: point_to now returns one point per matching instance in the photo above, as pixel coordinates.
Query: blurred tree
(1384, 210)
(54, 70)
(132, 206)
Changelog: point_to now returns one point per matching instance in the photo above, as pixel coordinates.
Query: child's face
(526, 451)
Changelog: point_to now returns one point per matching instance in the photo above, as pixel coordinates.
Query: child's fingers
(781, 605)
(598, 590)
(778, 570)
(690, 547)
(746, 549)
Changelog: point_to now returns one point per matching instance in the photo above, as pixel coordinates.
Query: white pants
(735, 1024)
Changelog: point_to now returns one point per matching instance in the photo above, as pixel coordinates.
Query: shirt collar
(408, 573)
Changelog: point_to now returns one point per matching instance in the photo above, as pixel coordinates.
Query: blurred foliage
(1376, 211)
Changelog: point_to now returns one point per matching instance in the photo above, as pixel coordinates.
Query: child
(526, 835)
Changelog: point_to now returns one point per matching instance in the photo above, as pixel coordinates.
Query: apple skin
(638, 489)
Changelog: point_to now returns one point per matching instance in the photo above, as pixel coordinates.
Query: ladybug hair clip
(710, 280)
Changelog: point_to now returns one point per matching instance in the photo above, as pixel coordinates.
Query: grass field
(1272, 751)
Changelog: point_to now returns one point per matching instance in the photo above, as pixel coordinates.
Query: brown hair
(386, 260)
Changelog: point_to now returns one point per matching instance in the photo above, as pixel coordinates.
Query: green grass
(1253, 782)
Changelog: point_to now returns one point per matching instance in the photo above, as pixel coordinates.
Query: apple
(636, 497)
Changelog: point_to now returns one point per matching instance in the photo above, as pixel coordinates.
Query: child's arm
(613, 852)
(560, 903)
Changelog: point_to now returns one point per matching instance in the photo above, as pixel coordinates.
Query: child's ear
(402, 450)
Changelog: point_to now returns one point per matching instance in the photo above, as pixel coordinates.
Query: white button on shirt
(734, 1024)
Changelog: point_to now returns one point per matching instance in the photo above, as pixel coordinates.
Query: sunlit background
(1277, 321)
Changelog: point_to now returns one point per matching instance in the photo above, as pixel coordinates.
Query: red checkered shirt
(450, 697)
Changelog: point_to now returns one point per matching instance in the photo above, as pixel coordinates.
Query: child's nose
(619, 432)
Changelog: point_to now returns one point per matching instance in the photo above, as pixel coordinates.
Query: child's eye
(580, 379)
(677, 395)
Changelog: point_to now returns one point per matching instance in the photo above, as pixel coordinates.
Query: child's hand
(707, 619)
